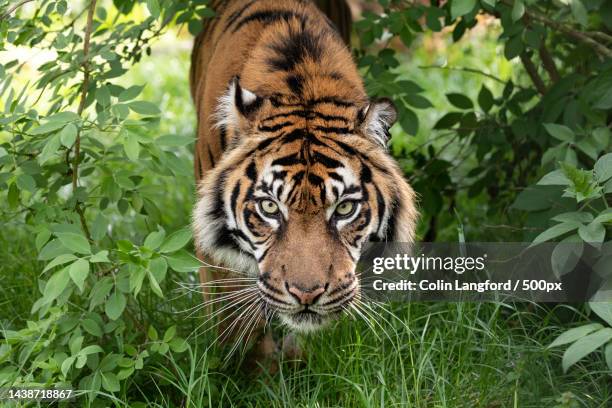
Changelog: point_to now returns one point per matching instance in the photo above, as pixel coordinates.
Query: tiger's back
(288, 51)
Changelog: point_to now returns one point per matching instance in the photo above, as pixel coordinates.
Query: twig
(15, 7)
(549, 64)
(84, 86)
(532, 71)
(470, 70)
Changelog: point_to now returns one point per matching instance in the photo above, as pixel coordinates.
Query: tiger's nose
(306, 296)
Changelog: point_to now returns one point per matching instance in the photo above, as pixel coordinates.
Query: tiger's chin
(306, 321)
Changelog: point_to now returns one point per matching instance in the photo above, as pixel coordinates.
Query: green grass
(424, 355)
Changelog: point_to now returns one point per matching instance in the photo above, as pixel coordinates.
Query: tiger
(291, 159)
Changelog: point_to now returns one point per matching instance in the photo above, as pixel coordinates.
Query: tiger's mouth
(306, 320)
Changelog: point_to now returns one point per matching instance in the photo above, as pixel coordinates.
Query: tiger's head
(299, 191)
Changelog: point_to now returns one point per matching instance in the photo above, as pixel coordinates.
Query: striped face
(295, 199)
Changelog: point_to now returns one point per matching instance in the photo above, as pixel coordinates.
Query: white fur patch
(379, 118)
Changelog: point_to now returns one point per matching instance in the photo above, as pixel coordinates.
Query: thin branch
(470, 70)
(84, 86)
(532, 71)
(549, 64)
(15, 7)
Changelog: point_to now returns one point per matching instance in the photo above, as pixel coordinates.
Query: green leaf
(155, 285)
(56, 285)
(566, 255)
(603, 167)
(130, 93)
(53, 249)
(518, 9)
(91, 327)
(74, 242)
(152, 333)
(66, 364)
(183, 262)
(144, 108)
(79, 271)
(131, 147)
(176, 241)
(26, 182)
(601, 137)
(459, 100)
(68, 135)
(485, 99)
(554, 178)
(574, 334)
(115, 305)
(47, 128)
(585, 346)
(103, 96)
(158, 268)
(101, 256)
(51, 147)
(579, 12)
(603, 310)
(153, 6)
(60, 260)
(594, 232)
(154, 239)
(109, 380)
(94, 349)
(136, 279)
(560, 132)
(461, 7)
(605, 216)
(555, 231)
(574, 216)
(608, 354)
(170, 333)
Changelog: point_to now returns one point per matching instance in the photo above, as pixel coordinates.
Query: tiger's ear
(377, 119)
(237, 107)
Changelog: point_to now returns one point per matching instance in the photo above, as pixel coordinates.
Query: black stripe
(338, 299)
(274, 128)
(340, 288)
(326, 160)
(251, 171)
(287, 160)
(270, 287)
(314, 179)
(295, 83)
(210, 157)
(266, 17)
(236, 15)
(223, 137)
(334, 129)
(234, 198)
(295, 49)
(380, 203)
(217, 210)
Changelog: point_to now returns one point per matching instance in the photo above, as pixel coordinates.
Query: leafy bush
(92, 185)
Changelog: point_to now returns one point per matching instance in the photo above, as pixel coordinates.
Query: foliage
(550, 124)
(83, 174)
(89, 181)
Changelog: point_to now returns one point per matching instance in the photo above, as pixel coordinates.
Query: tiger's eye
(345, 208)
(269, 207)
